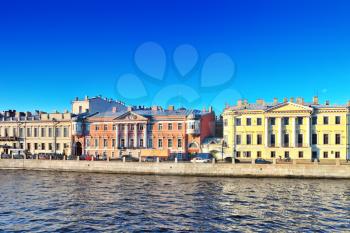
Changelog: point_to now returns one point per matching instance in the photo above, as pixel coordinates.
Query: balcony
(9, 139)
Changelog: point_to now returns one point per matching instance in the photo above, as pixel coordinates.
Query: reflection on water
(53, 201)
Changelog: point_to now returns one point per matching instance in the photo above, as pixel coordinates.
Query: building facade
(290, 129)
(41, 132)
(142, 132)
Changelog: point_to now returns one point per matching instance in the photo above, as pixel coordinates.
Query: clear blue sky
(52, 51)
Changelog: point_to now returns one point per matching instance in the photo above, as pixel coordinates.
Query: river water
(76, 202)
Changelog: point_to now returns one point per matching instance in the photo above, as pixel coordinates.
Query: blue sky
(52, 51)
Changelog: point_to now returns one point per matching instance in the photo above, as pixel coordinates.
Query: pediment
(130, 116)
(289, 107)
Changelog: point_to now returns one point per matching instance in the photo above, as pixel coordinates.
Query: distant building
(36, 133)
(288, 129)
(96, 104)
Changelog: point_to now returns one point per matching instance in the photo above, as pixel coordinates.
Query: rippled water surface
(64, 202)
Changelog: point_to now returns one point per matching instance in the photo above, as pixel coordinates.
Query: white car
(200, 160)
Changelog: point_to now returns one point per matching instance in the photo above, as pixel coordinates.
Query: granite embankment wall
(185, 169)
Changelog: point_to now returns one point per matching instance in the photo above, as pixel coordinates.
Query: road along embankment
(184, 169)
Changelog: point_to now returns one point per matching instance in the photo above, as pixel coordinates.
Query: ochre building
(289, 129)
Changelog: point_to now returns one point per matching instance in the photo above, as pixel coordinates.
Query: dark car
(150, 159)
(6, 156)
(262, 161)
(229, 160)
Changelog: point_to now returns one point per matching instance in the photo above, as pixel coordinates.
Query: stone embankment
(313, 170)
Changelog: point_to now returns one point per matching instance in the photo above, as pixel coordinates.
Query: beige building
(36, 133)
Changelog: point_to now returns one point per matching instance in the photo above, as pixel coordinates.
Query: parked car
(262, 161)
(229, 160)
(150, 159)
(6, 156)
(200, 160)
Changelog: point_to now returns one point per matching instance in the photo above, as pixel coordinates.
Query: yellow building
(288, 129)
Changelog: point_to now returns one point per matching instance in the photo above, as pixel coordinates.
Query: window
(249, 121)
(105, 127)
(132, 127)
(43, 146)
(105, 143)
(150, 143)
(141, 142)
(29, 132)
(87, 142)
(258, 121)
(141, 127)
(170, 126)
(58, 132)
(325, 139)
(114, 127)
(314, 120)
(249, 139)
(238, 154)
(113, 142)
(285, 120)
(160, 126)
(80, 109)
(300, 140)
(258, 154)
(96, 143)
(325, 154)
(21, 146)
(50, 132)
(58, 146)
(337, 120)
(131, 143)
(65, 145)
(43, 132)
(301, 154)
(97, 127)
(248, 154)
(259, 139)
(50, 146)
(272, 140)
(179, 143)
(337, 139)
(314, 139)
(225, 122)
(337, 154)
(273, 121)
(36, 132)
(300, 120)
(160, 143)
(325, 120)
(65, 132)
(286, 154)
(273, 154)
(286, 140)
(21, 132)
(179, 126)
(28, 146)
(170, 143)
(238, 139)
(238, 121)
(122, 142)
(35, 146)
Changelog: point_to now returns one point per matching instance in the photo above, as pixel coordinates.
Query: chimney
(300, 100)
(315, 100)
(275, 100)
(285, 99)
(348, 103)
(239, 103)
(260, 102)
(327, 102)
(129, 108)
(114, 109)
(86, 97)
(76, 98)
(292, 100)
(245, 102)
(172, 108)
(154, 108)
(210, 109)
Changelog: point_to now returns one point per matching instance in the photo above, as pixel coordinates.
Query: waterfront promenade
(338, 170)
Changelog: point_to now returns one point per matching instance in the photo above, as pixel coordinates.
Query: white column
(135, 135)
(294, 132)
(266, 132)
(280, 132)
(145, 136)
(307, 137)
(126, 135)
(117, 135)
